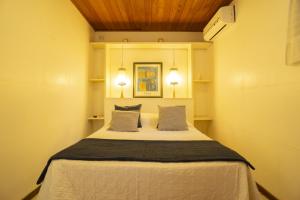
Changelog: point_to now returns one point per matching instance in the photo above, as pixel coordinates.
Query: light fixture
(122, 79)
(173, 77)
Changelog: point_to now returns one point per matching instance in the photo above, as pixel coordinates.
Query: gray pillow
(136, 108)
(124, 121)
(172, 118)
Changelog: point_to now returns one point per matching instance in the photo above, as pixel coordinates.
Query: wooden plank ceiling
(148, 15)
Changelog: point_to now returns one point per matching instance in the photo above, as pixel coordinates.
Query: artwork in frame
(147, 78)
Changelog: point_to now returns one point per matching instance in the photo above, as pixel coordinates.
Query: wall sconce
(173, 77)
(122, 79)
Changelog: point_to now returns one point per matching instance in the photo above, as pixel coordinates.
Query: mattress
(150, 133)
(113, 180)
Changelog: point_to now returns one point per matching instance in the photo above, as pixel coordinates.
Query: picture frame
(147, 80)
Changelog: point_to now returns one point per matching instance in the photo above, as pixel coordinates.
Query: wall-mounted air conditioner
(223, 16)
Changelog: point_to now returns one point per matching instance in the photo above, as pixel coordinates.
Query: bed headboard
(149, 105)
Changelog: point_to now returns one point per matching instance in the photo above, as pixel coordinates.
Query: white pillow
(149, 120)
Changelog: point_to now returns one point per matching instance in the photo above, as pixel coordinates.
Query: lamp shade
(173, 77)
(122, 79)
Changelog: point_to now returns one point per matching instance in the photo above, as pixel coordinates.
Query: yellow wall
(43, 87)
(257, 96)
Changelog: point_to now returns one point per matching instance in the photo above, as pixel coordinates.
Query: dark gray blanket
(146, 150)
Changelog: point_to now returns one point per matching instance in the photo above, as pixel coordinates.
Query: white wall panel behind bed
(149, 52)
(149, 105)
(194, 63)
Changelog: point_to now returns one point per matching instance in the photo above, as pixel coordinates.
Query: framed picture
(147, 77)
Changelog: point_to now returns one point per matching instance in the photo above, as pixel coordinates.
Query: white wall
(149, 53)
(257, 96)
(149, 105)
(148, 36)
(43, 84)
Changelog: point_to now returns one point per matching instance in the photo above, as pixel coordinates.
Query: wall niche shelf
(96, 86)
(96, 118)
(202, 60)
(96, 80)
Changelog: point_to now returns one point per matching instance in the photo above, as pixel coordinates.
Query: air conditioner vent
(223, 16)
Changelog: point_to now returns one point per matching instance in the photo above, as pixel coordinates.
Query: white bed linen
(150, 133)
(120, 180)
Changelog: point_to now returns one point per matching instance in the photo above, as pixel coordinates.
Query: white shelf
(99, 45)
(201, 81)
(96, 80)
(202, 118)
(96, 118)
(193, 45)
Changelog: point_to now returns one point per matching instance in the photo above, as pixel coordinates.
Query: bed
(135, 180)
